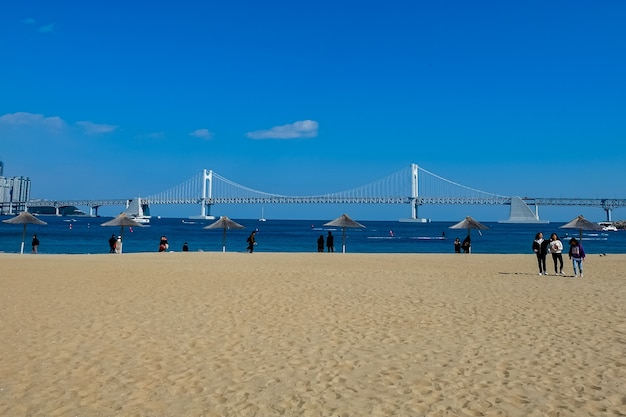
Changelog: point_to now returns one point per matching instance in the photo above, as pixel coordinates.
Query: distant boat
(608, 227)
(262, 218)
(137, 211)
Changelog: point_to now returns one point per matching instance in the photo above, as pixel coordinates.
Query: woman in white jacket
(556, 247)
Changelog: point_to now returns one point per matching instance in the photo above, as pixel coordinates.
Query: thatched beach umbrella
(469, 223)
(581, 224)
(24, 218)
(122, 220)
(344, 221)
(224, 223)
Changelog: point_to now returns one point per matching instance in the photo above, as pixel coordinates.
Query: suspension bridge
(412, 185)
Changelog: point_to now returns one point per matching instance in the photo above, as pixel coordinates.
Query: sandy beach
(275, 334)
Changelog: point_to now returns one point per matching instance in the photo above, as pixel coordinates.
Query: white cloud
(202, 134)
(30, 119)
(95, 128)
(301, 129)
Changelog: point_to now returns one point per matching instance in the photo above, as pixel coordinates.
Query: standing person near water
(112, 241)
(330, 242)
(35, 244)
(467, 244)
(320, 243)
(540, 247)
(251, 241)
(556, 247)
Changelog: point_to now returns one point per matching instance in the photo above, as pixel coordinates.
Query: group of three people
(542, 246)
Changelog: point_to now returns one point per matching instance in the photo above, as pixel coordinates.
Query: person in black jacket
(540, 247)
(35, 244)
(330, 242)
(251, 241)
(320, 243)
(112, 241)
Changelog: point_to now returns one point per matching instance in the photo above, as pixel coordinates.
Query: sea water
(82, 235)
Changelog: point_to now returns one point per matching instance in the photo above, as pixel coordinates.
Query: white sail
(135, 210)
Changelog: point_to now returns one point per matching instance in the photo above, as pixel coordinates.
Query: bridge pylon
(207, 195)
(414, 197)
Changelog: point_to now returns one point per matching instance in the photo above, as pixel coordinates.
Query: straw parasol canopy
(469, 223)
(581, 224)
(122, 220)
(344, 221)
(24, 218)
(224, 223)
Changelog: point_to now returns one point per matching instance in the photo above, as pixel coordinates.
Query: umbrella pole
(224, 240)
(122, 236)
(23, 237)
(343, 241)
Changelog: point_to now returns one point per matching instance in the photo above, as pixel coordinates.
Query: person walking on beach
(540, 247)
(35, 244)
(185, 247)
(457, 245)
(251, 241)
(330, 242)
(556, 247)
(118, 245)
(320, 243)
(112, 241)
(577, 255)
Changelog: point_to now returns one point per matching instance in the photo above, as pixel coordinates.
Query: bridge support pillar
(414, 197)
(207, 194)
(609, 214)
(521, 213)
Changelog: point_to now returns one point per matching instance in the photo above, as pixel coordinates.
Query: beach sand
(276, 334)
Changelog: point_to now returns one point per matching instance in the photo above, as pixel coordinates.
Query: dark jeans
(559, 257)
(541, 261)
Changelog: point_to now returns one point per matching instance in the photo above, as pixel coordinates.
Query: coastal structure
(412, 186)
(14, 193)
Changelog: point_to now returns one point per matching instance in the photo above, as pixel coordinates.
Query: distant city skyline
(118, 99)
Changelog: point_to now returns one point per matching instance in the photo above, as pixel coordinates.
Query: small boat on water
(262, 218)
(608, 227)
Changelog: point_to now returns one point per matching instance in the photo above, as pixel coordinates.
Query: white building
(14, 194)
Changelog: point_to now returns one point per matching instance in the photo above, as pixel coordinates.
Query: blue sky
(119, 99)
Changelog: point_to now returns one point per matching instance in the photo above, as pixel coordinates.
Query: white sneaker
(562, 273)
(540, 273)
(581, 274)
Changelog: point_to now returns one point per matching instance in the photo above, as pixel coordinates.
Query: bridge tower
(207, 195)
(415, 197)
